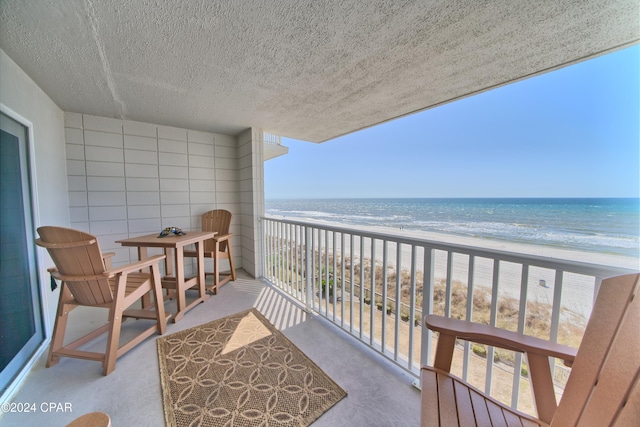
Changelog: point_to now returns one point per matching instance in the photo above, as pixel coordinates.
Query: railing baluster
(308, 245)
(274, 252)
(427, 304)
(468, 314)
(522, 317)
(271, 267)
(492, 322)
(372, 294)
(383, 344)
(342, 279)
(296, 265)
(327, 273)
(557, 299)
(265, 249)
(287, 264)
(448, 289)
(289, 270)
(281, 252)
(396, 346)
(280, 243)
(412, 305)
(351, 285)
(315, 266)
(334, 284)
(555, 314)
(361, 287)
(320, 273)
(296, 260)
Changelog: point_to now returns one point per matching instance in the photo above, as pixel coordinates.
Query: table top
(170, 241)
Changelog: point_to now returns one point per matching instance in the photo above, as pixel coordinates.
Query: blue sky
(573, 132)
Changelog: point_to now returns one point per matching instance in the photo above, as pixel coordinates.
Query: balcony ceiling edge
(299, 68)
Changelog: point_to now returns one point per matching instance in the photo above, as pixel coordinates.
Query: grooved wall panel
(131, 178)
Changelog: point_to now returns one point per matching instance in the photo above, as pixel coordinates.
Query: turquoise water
(609, 226)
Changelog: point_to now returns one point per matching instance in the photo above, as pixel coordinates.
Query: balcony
(376, 286)
(336, 293)
(273, 146)
(131, 394)
(119, 146)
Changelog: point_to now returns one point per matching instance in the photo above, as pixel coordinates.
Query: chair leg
(233, 268)
(216, 268)
(59, 327)
(159, 299)
(111, 353)
(115, 322)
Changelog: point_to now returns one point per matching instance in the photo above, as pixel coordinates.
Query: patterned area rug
(241, 371)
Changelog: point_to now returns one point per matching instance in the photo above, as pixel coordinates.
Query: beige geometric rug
(241, 371)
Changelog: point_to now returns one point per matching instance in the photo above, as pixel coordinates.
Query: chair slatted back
(603, 388)
(219, 221)
(77, 256)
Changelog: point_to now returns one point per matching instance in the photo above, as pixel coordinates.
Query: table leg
(181, 286)
(146, 298)
(142, 252)
(167, 262)
(181, 292)
(168, 271)
(201, 276)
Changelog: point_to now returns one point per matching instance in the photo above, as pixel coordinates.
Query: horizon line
(454, 198)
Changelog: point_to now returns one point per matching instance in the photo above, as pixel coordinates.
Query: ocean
(605, 225)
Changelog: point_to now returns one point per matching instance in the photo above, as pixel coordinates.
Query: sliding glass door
(21, 330)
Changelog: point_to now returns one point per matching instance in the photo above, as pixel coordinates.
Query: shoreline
(577, 291)
(605, 259)
(604, 226)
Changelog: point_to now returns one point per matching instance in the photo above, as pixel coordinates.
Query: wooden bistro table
(177, 282)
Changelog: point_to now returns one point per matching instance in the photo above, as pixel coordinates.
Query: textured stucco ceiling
(305, 69)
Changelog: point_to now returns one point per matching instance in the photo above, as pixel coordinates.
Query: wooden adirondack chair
(86, 282)
(217, 248)
(603, 388)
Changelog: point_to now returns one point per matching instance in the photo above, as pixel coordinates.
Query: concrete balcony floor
(379, 394)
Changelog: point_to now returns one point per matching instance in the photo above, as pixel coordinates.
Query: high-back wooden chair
(603, 388)
(80, 265)
(218, 248)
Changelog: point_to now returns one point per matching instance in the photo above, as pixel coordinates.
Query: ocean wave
(531, 234)
(349, 218)
(607, 226)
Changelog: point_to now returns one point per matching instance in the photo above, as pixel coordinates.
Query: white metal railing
(376, 286)
(270, 138)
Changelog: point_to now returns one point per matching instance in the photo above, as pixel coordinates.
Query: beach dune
(577, 293)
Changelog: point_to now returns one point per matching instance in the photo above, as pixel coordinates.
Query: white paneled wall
(131, 178)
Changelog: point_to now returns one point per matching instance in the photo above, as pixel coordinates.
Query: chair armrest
(222, 237)
(139, 265)
(538, 352)
(217, 238)
(490, 335)
(126, 269)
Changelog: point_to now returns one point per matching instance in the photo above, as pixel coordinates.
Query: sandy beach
(577, 290)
